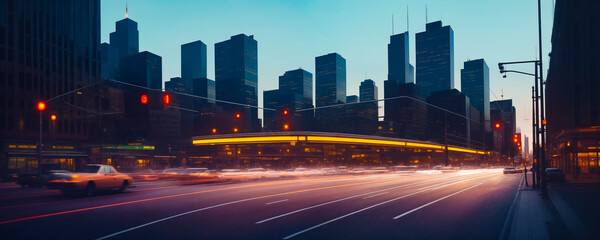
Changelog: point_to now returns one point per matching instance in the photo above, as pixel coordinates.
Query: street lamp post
(543, 118)
(41, 106)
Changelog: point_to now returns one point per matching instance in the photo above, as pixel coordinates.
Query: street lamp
(41, 106)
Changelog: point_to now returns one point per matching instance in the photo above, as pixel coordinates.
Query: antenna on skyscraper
(426, 21)
(126, 9)
(392, 24)
(406, 17)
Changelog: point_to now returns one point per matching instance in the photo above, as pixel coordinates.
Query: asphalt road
(471, 204)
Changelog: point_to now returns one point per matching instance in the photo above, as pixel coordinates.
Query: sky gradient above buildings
(291, 34)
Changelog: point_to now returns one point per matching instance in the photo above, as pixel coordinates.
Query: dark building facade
(503, 112)
(236, 78)
(573, 84)
(47, 50)
(294, 94)
(398, 55)
(297, 81)
(435, 58)
(193, 60)
(142, 69)
(405, 116)
(330, 89)
(125, 38)
(453, 124)
(475, 83)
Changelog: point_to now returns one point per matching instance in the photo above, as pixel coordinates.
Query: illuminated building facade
(573, 84)
(284, 150)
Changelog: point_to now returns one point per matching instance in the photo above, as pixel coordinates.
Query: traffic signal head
(237, 115)
(214, 130)
(41, 106)
(285, 112)
(167, 99)
(286, 126)
(497, 126)
(235, 130)
(144, 99)
(53, 117)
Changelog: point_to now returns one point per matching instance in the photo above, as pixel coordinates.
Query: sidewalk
(571, 211)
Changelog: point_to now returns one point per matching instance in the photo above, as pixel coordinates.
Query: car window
(92, 169)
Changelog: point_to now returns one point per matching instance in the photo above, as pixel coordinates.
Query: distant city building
(297, 81)
(330, 90)
(405, 116)
(503, 113)
(330, 79)
(193, 60)
(109, 61)
(125, 38)
(475, 83)
(435, 58)
(352, 99)
(236, 78)
(270, 101)
(175, 85)
(398, 55)
(453, 123)
(142, 69)
(573, 87)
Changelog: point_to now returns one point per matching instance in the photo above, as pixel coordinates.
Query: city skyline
(285, 40)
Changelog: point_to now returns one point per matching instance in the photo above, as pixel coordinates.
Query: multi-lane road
(471, 204)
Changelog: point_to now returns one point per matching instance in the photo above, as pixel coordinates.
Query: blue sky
(291, 34)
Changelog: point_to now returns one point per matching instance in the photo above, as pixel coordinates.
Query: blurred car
(146, 175)
(94, 177)
(404, 169)
(198, 175)
(342, 170)
(327, 171)
(358, 171)
(378, 170)
(170, 173)
(509, 170)
(555, 175)
(39, 178)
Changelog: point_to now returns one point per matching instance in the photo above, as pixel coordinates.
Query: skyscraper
(369, 111)
(193, 60)
(398, 55)
(270, 100)
(236, 77)
(142, 69)
(368, 91)
(475, 83)
(330, 89)
(125, 38)
(435, 58)
(297, 81)
(330, 79)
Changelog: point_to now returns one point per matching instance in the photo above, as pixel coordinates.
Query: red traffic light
(285, 112)
(53, 117)
(235, 130)
(237, 115)
(497, 126)
(41, 106)
(286, 126)
(167, 99)
(144, 99)
(214, 130)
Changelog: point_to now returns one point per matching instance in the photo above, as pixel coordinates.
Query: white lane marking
(276, 202)
(376, 195)
(432, 202)
(510, 211)
(350, 214)
(367, 208)
(343, 199)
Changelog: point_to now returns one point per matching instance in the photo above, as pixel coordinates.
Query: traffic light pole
(544, 190)
(40, 146)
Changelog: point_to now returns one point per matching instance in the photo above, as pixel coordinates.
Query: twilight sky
(291, 33)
